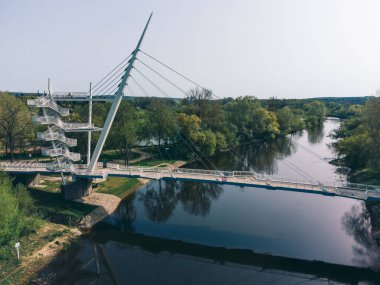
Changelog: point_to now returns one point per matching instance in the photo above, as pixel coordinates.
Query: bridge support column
(77, 189)
(26, 179)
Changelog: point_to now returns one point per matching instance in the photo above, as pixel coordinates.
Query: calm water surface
(197, 233)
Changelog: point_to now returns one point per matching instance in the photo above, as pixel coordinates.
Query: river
(197, 233)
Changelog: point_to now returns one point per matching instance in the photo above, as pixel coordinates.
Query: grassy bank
(51, 207)
(118, 186)
(154, 162)
(35, 252)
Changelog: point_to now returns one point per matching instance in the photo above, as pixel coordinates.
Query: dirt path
(143, 155)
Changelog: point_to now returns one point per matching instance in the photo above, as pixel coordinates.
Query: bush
(15, 215)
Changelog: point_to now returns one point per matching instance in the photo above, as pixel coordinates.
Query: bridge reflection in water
(127, 258)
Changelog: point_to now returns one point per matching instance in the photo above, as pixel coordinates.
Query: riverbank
(64, 221)
(36, 251)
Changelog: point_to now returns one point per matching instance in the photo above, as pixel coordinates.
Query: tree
(15, 121)
(200, 102)
(288, 121)
(201, 143)
(285, 119)
(239, 114)
(359, 139)
(161, 120)
(16, 217)
(123, 133)
(315, 113)
(264, 124)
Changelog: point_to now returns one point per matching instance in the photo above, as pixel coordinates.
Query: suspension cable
(112, 70)
(152, 83)
(168, 67)
(178, 133)
(146, 94)
(163, 77)
(115, 76)
(285, 161)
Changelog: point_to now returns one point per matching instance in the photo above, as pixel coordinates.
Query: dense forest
(194, 127)
(358, 142)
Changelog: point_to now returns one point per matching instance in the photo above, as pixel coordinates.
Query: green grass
(118, 186)
(53, 207)
(153, 162)
(111, 154)
(51, 186)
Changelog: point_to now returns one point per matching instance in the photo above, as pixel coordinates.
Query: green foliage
(315, 113)
(161, 121)
(15, 123)
(359, 139)
(123, 134)
(15, 216)
(289, 121)
(196, 126)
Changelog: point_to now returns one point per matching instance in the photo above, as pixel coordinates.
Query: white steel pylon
(57, 127)
(115, 104)
(52, 116)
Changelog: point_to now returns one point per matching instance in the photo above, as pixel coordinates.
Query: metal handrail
(347, 189)
(60, 151)
(43, 102)
(49, 136)
(59, 123)
(70, 94)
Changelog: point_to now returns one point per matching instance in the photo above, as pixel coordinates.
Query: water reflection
(161, 197)
(108, 256)
(316, 134)
(159, 202)
(126, 214)
(259, 157)
(357, 223)
(307, 150)
(196, 198)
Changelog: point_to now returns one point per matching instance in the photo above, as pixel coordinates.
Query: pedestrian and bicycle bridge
(111, 87)
(239, 178)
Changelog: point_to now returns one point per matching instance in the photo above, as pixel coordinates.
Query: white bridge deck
(240, 178)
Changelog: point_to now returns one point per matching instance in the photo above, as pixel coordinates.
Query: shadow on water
(109, 256)
(357, 223)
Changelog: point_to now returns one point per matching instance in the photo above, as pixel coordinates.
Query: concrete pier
(77, 189)
(26, 179)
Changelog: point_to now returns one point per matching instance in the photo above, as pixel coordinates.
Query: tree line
(195, 126)
(358, 142)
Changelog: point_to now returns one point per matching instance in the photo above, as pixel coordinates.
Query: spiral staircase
(53, 116)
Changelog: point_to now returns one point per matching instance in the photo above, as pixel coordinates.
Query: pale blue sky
(283, 48)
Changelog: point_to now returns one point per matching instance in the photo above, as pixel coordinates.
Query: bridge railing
(70, 94)
(43, 102)
(250, 175)
(59, 123)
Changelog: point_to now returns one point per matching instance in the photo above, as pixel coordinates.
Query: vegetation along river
(172, 232)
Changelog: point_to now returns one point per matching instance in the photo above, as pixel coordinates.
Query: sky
(263, 48)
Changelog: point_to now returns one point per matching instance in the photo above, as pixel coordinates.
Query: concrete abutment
(30, 179)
